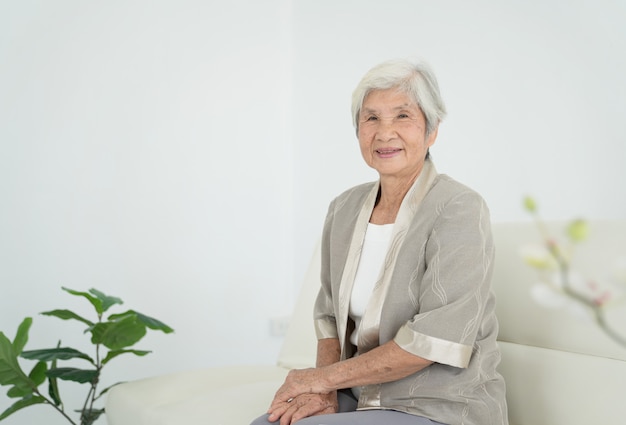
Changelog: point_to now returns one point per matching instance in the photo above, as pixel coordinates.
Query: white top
(374, 250)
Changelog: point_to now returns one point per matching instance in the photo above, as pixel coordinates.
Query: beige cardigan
(433, 298)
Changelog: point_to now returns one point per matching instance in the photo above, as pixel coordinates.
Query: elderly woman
(405, 315)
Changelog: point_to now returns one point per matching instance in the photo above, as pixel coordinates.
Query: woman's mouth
(387, 152)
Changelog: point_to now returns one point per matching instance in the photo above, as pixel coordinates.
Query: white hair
(415, 79)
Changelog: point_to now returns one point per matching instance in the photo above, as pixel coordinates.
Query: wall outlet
(279, 325)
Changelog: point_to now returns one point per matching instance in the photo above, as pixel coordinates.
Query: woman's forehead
(389, 100)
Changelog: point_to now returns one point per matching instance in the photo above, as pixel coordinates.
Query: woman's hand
(301, 381)
(303, 406)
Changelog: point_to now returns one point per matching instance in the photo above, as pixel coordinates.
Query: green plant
(117, 334)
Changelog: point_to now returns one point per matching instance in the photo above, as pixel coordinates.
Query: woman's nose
(386, 129)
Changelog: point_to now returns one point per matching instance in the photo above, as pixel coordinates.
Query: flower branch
(588, 294)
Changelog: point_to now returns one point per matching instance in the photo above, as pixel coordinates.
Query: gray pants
(349, 416)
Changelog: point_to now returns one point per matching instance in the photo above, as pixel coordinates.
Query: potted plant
(111, 337)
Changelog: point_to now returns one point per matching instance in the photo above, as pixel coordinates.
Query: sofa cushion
(219, 396)
(555, 387)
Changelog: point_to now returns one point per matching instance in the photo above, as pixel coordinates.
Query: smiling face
(392, 134)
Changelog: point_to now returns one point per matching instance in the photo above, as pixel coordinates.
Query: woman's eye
(371, 118)
(403, 116)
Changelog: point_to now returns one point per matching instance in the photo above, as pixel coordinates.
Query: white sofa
(559, 370)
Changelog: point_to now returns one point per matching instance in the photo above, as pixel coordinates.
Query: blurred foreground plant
(116, 334)
(554, 256)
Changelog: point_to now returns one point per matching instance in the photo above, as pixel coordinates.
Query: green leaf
(154, 323)
(73, 374)
(49, 354)
(53, 391)
(530, 205)
(118, 335)
(89, 416)
(10, 371)
(106, 390)
(95, 301)
(150, 322)
(67, 315)
(107, 301)
(114, 353)
(20, 404)
(120, 316)
(21, 337)
(53, 384)
(37, 375)
(16, 392)
(578, 230)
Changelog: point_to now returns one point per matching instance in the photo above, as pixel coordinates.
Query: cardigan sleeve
(323, 312)
(454, 289)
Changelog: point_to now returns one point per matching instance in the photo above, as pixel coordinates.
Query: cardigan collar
(370, 322)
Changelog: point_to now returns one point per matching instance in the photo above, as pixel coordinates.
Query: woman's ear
(430, 140)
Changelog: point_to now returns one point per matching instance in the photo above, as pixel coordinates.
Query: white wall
(535, 93)
(145, 152)
(180, 154)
